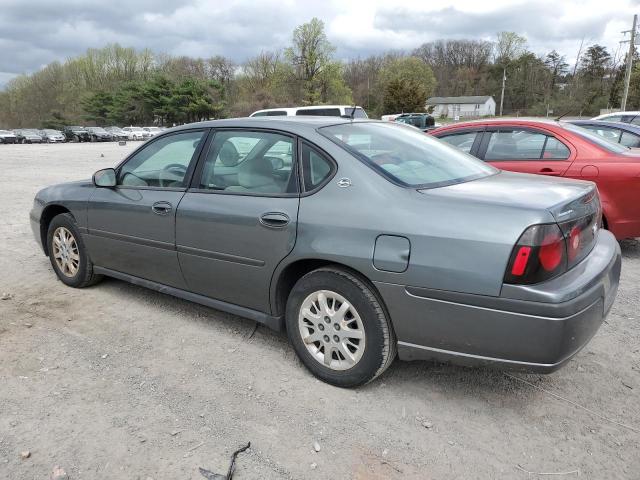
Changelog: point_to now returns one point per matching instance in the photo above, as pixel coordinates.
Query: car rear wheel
(68, 254)
(339, 328)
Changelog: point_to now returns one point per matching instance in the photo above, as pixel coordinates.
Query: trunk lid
(565, 199)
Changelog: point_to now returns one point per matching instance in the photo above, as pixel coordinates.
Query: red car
(561, 149)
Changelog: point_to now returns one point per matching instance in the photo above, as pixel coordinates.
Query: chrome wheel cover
(65, 252)
(332, 330)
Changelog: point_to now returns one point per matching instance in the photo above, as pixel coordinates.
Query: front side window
(463, 141)
(630, 140)
(163, 163)
(250, 162)
(524, 145)
(406, 155)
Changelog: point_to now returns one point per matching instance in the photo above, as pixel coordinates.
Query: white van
(319, 110)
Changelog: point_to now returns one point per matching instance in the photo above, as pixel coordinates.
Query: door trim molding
(225, 257)
(131, 239)
(274, 323)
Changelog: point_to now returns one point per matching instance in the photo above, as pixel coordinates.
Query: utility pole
(627, 76)
(504, 78)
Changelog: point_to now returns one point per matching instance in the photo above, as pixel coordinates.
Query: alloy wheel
(65, 252)
(332, 330)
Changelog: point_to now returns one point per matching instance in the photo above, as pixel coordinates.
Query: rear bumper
(534, 328)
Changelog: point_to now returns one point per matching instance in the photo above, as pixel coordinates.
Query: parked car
(372, 238)
(52, 136)
(99, 134)
(136, 133)
(152, 131)
(76, 134)
(318, 110)
(626, 134)
(27, 135)
(117, 133)
(624, 117)
(8, 137)
(422, 121)
(559, 149)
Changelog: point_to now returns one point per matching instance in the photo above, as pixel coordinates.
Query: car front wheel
(339, 328)
(68, 254)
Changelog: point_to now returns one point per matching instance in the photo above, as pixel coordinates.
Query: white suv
(136, 133)
(319, 110)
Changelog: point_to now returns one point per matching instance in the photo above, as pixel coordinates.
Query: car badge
(344, 182)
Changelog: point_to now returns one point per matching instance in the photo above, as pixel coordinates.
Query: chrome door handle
(274, 219)
(161, 208)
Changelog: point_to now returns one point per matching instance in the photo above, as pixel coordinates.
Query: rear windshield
(320, 112)
(406, 155)
(597, 139)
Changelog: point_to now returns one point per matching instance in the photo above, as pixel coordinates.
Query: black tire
(84, 276)
(380, 341)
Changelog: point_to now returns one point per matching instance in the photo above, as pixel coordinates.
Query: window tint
(406, 155)
(321, 112)
(555, 149)
(630, 140)
(463, 141)
(627, 118)
(636, 120)
(272, 113)
(250, 162)
(162, 163)
(611, 134)
(315, 166)
(524, 145)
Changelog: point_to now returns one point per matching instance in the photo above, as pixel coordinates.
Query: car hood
(563, 198)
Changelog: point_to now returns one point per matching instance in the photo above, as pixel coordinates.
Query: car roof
(630, 127)
(290, 124)
(522, 121)
(612, 114)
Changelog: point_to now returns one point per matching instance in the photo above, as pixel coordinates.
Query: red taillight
(520, 263)
(540, 254)
(551, 251)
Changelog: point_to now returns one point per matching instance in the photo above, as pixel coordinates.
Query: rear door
(526, 150)
(238, 220)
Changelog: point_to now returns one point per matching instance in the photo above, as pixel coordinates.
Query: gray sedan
(364, 240)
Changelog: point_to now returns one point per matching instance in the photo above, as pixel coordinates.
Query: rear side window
(630, 140)
(463, 141)
(247, 162)
(320, 112)
(316, 167)
(611, 134)
(613, 118)
(636, 120)
(272, 113)
(524, 145)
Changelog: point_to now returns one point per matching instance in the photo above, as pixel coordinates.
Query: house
(462, 107)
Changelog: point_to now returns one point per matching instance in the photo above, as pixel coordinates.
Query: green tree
(407, 82)
(97, 107)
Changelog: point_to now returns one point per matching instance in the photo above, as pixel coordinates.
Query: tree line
(118, 85)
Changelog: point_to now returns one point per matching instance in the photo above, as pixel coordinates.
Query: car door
(132, 226)
(238, 220)
(526, 150)
(467, 140)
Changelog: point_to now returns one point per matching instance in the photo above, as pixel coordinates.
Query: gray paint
(449, 299)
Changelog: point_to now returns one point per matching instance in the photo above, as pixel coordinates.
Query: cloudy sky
(36, 32)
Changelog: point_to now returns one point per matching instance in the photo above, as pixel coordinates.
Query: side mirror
(105, 178)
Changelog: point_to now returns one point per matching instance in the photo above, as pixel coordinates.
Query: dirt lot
(116, 382)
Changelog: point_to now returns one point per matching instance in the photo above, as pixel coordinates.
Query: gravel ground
(115, 381)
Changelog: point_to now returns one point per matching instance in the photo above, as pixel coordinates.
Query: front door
(238, 221)
(525, 150)
(132, 226)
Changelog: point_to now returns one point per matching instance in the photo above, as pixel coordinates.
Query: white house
(462, 107)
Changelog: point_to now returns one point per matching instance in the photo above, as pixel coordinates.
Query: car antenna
(557, 119)
(353, 112)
